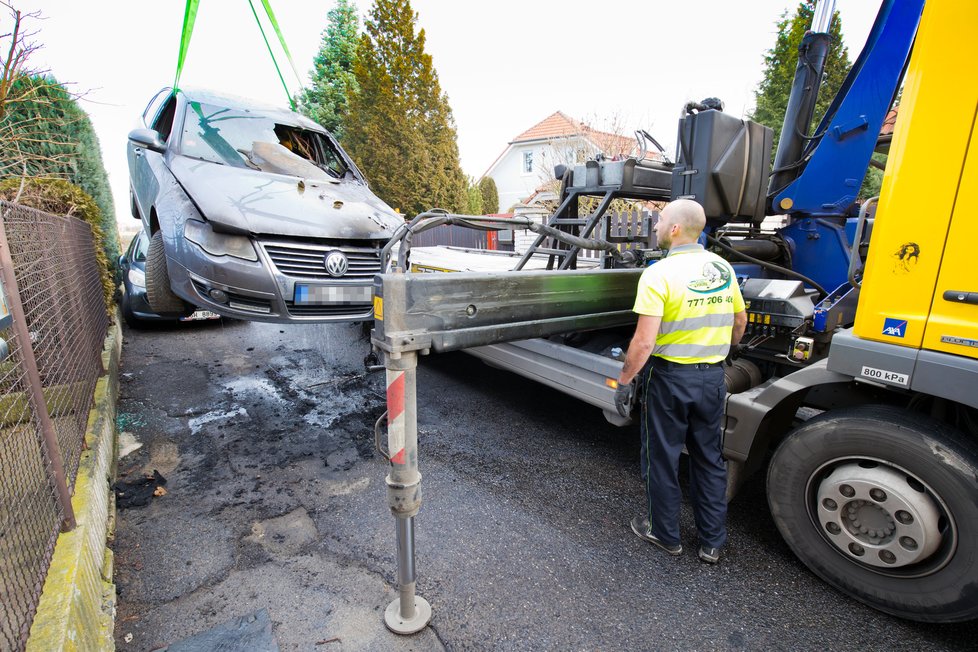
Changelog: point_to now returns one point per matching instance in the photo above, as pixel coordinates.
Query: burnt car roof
(278, 113)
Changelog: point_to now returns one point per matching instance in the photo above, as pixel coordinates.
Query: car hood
(244, 200)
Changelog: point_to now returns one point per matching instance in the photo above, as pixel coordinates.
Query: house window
(527, 162)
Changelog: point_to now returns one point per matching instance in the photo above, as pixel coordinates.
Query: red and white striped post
(409, 613)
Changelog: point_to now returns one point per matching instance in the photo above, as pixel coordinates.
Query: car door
(135, 155)
(146, 167)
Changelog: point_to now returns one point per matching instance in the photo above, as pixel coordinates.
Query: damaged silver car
(252, 212)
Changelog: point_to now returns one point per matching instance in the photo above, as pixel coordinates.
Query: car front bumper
(139, 305)
(261, 291)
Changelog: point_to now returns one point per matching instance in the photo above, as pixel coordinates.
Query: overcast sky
(505, 64)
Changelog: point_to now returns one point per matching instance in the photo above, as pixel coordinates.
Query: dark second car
(135, 305)
(252, 212)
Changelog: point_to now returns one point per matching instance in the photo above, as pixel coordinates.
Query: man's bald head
(688, 215)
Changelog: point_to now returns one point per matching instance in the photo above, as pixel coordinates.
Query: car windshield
(247, 140)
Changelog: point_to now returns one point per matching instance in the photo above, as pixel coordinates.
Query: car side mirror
(148, 139)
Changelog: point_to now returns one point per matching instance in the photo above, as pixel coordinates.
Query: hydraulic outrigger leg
(423, 313)
(409, 613)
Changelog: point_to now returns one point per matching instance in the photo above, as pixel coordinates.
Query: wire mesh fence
(59, 321)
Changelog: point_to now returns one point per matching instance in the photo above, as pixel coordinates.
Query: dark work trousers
(684, 405)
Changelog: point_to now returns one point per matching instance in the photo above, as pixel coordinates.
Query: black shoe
(642, 529)
(709, 555)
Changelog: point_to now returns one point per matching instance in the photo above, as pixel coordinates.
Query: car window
(232, 137)
(154, 105)
(164, 121)
(137, 252)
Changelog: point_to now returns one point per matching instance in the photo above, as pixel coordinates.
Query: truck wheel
(161, 298)
(882, 504)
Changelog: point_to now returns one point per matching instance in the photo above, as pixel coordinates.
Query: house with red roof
(524, 169)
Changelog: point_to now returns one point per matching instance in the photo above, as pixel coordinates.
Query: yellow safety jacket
(696, 294)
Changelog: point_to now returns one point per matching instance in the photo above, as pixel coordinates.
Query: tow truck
(857, 386)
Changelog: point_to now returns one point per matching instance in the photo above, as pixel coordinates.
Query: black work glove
(623, 398)
(733, 354)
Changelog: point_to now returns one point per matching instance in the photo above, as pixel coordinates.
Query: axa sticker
(894, 327)
(716, 277)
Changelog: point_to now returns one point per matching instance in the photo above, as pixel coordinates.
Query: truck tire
(161, 298)
(882, 504)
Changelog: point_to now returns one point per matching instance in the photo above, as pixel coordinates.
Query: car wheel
(880, 503)
(161, 297)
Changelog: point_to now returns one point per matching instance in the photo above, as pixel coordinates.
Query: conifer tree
(47, 135)
(399, 127)
(474, 199)
(44, 133)
(490, 195)
(326, 100)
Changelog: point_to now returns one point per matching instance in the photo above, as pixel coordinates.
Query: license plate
(313, 294)
(198, 315)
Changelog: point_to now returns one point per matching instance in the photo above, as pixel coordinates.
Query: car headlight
(137, 278)
(219, 244)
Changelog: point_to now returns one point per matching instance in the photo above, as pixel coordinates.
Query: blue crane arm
(835, 159)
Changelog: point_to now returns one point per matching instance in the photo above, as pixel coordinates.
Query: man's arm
(640, 348)
(739, 326)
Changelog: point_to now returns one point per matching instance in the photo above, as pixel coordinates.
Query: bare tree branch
(31, 143)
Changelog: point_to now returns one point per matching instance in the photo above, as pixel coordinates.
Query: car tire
(902, 487)
(161, 297)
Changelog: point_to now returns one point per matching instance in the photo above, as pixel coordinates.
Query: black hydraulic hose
(768, 265)
(573, 240)
(431, 219)
(642, 135)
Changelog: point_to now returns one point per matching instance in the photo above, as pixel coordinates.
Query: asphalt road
(275, 499)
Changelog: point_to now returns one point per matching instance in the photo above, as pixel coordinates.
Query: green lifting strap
(189, 16)
(281, 39)
(272, 54)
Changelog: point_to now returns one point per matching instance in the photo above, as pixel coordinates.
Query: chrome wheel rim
(881, 516)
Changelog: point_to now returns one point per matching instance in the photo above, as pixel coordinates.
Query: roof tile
(560, 125)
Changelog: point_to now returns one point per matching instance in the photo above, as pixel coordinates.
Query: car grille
(305, 260)
(327, 310)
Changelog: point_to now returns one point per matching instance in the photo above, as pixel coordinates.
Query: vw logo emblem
(336, 263)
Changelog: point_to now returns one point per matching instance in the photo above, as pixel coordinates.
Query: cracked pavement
(275, 499)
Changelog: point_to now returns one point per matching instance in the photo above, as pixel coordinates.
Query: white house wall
(514, 185)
